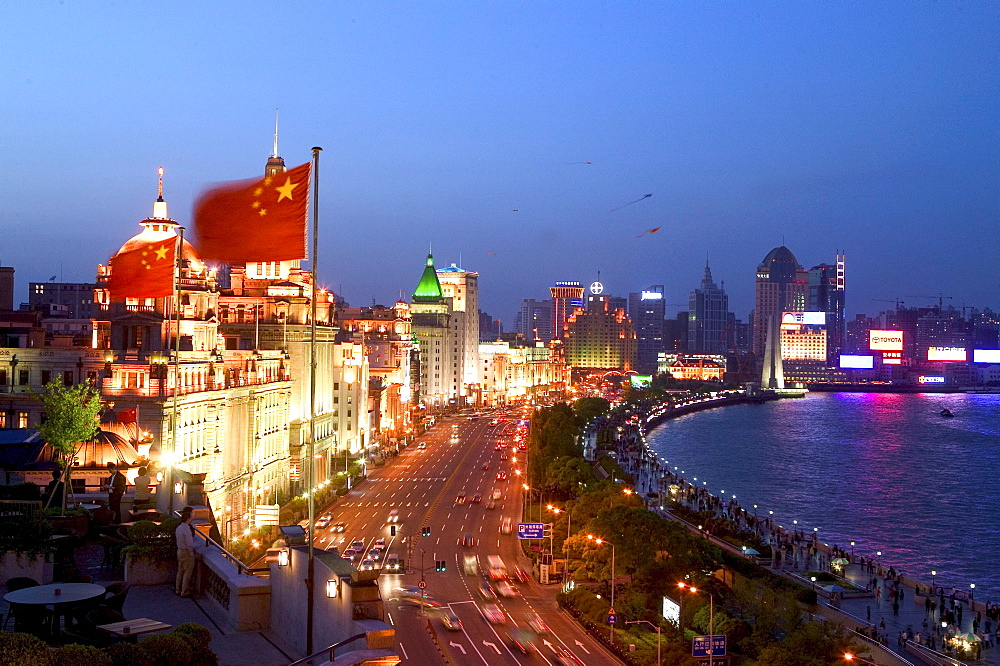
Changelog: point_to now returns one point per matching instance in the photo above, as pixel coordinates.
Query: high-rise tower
(647, 309)
(782, 286)
(708, 312)
(826, 294)
(566, 297)
(431, 316)
(462, 287)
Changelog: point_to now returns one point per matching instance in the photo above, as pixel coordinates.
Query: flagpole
(310, 575)
(178, 258)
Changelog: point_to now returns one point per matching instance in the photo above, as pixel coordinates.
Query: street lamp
(711, 618)
(848, 656)
(599, 542)
(569, 524)
(654, 626)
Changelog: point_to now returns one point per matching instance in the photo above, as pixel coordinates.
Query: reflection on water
(883, 469)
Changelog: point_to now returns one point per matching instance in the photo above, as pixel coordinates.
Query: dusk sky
(509, 134)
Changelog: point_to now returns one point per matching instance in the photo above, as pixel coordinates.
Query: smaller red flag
(145, 272)
(128, 415)
(260, 219)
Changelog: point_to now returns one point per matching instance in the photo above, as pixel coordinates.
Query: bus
(497, 569)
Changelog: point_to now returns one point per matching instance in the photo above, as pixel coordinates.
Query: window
(46, 376)
(67, 377)
(22, 378)
(22, 419)
(3, 419)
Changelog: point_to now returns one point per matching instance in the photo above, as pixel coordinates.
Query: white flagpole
(310, 575)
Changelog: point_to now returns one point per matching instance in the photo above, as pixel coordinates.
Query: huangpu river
(885, 470)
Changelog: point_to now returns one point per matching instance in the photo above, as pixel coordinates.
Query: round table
(45, 595)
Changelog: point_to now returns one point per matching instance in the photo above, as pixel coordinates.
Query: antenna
(159, 190)
(275, 153)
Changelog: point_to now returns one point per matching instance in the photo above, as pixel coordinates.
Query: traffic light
(426, 531)
(392, 530)
(440, 565)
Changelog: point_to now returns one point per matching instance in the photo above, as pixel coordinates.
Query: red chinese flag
(145, 272)
(254, 220)
(128, 415)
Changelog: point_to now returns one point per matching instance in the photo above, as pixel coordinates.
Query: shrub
(128, 654)
(166, 650)
(152, 541)
(197, 636)
(81, 655)
(24, 650)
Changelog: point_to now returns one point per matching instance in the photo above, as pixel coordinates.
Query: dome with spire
(158, 227)
(429, 287)
(780, 255)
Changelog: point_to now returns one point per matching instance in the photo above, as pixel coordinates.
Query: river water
(882, 469)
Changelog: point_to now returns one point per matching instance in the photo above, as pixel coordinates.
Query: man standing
(116, 488)
(185, 554)
(142, 489)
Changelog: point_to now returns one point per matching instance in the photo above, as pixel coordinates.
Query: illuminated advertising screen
(946, 353)
(671, 611)
(885, 340)
(641, 381)
(892, 361)
(806, 318)
(859, 361)
(930, 379)
(986, 355)
(651, 296)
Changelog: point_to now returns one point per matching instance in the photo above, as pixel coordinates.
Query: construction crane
(940, 298)
(888, 300)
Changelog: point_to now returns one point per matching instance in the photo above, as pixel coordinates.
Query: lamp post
(933, 579)
(599, 542)
(848, 656)
(569, 524)
(711, 618)
(658, 636)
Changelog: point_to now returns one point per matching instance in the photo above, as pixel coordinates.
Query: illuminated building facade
(534, 320)
(782, 286)
(462, 287)
(700, 369)
(599, 337)
(566, 297)
(511, 372)
(436, 340)
(827, 294)
(647, 310)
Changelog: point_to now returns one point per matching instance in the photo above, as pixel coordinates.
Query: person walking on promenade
(927, 606)
(895, 609)
(878, 597)
(868, 613)
(185, 554)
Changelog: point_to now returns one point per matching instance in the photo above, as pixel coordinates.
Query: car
(393, 516)
(499, 447)
(486, 592)
(491, 504)
(323, 522)
(496, 494)
(368, 565)
(538, 625)
(477, 498)
(494, 614)
(421, 446)
(505, 589)
(567, 658)
(460, 498)
(468, 541)
(506, 527)
(451, 622)
(338, 527)
(501, 476)
(379, 544)
(349, 554)
(392, 563)
(520, 640)
(358, 545)
(411, 599)
(486, 466)
(521, 576)
(503, 456)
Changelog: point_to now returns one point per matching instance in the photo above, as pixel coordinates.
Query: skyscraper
(534, 320)
(782, 286)
(431, 316)
(708, 313)
(462, 287)
(826, 294)
(566, 296)
(647, 309)
(599, 337)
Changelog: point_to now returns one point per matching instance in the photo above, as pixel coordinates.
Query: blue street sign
(612, 618)
(530, 530)
(703, 646)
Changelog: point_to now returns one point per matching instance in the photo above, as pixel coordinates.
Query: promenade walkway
(893, 619)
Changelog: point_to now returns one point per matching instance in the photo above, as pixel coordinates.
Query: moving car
(521, 576)
(506, 527)
(491, 504)
(494, 614)
(323, 522)
(520, 640)
(379, 544)
(477, 498)
(487, 593)
(338, 527)
(394, 516)
(451, 622)
(460, 498)
(505, 589)
(538, 625)
(502, 476)
(468, 541)
(392, 562)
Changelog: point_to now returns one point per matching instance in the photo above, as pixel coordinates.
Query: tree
(69, 417)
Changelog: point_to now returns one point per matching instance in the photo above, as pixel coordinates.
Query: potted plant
(151, 558)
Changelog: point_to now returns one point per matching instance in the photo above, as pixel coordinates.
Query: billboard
(806, 318)
(860, 361)
(946, 353)
(671, 611)
(640, 381)
(986, 355)
(650, 296)
(885, 340)
(930, 379)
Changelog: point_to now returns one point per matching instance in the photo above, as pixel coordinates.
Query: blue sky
(867, 127)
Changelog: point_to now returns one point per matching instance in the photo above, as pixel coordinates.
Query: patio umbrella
(750, 551)
(968, 637)
(842, 561)
(834, 588)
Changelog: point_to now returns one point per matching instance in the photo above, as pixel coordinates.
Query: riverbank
(895, 388)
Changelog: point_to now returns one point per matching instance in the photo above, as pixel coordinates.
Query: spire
(160, 206)
(274, 163)
(429, 287)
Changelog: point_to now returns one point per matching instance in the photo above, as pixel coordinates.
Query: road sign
(703, 646)
(612, 618)
(422, 584)
(530, 530)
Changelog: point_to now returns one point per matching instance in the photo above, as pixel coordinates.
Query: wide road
(423, 485)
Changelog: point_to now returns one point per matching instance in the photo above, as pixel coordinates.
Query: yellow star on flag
(262, 212)
(258, 191)
(286, 190)
(162, 253)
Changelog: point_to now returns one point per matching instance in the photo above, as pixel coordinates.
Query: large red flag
(254, 220)
(145, 272)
